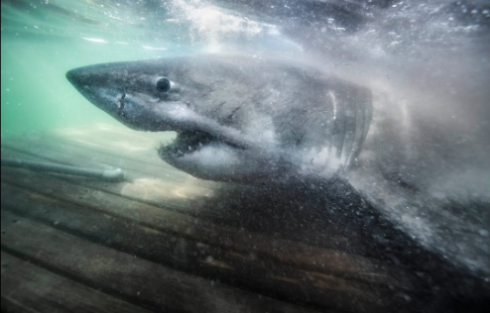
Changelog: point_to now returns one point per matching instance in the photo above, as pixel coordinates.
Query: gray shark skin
(251, 120)
(238, 119)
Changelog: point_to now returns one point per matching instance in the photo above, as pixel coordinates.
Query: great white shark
(258, 121)
(238, 119)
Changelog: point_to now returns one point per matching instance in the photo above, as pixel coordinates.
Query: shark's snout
(96, 77)
(74, 77)
(85, 77)
(97, 87)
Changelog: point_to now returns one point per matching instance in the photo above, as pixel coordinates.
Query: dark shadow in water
(334, 215)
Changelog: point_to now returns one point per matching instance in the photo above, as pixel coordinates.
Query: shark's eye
(163, 84)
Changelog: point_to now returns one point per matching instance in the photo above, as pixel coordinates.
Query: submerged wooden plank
(226, 205)
(126, 276)
(12, 306)
(99, 192)
(27, 287)
(324, 276)
(179, 195)
(296, 254)
(254, 273)
(144, 161)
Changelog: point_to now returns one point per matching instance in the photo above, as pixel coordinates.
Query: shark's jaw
(189, 142)
(208, 150)
(219, 158)
(201, 153)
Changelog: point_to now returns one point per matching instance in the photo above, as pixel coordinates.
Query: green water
(35, 94)
(39, 44)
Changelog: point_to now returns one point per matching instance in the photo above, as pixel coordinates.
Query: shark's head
(237, 118)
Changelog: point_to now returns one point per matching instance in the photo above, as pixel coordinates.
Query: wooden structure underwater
(163, 241)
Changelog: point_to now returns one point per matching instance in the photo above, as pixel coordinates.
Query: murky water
(426, 63)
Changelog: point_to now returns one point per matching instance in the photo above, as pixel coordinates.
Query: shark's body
(244, 119)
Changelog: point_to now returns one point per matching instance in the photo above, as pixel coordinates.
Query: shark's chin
(208, 159)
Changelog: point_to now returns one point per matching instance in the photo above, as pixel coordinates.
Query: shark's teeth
(186, 142)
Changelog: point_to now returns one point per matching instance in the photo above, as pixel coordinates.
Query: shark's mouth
(188, 142)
